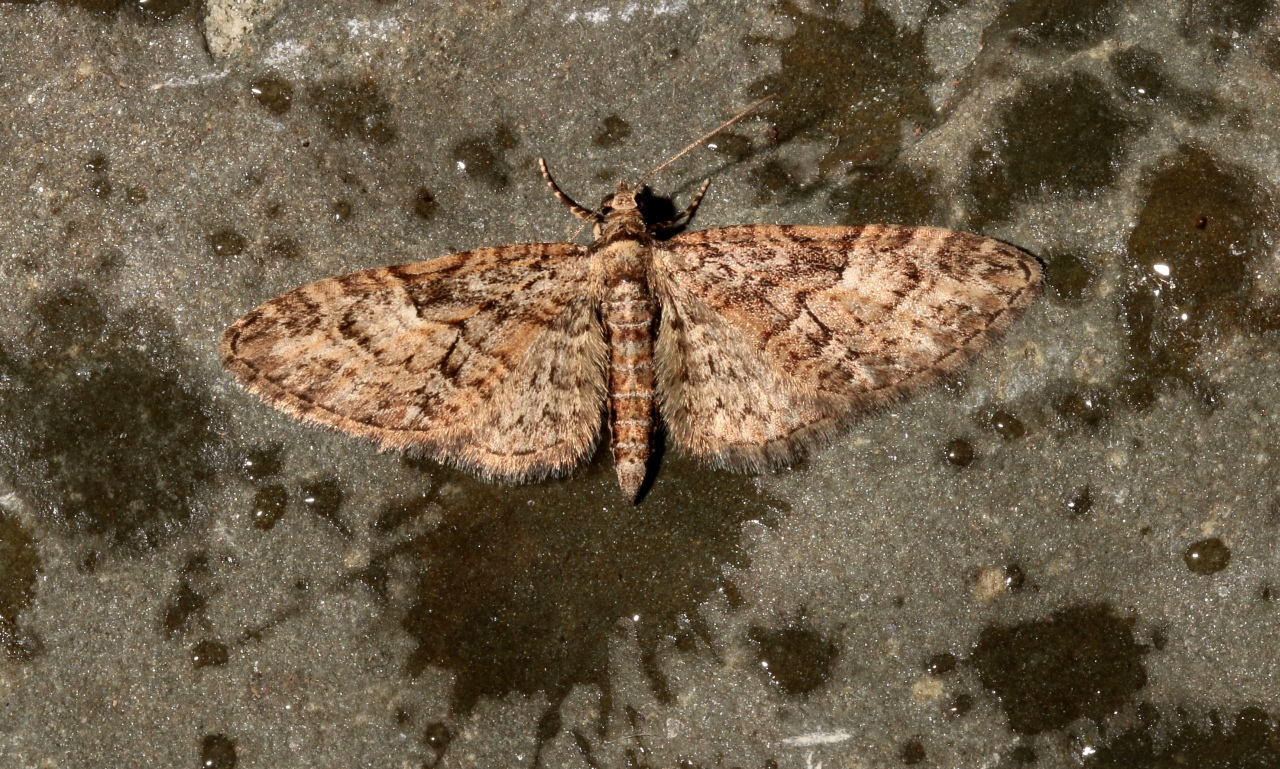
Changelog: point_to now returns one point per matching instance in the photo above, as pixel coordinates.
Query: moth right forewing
(485, 359)
(841, 319)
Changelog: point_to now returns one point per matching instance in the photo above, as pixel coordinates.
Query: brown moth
(753, 343)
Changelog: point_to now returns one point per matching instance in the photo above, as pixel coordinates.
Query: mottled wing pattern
(492, 360)
(773, 338)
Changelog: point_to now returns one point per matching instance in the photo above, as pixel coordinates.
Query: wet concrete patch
(1057, 24)
(105, 433)
(154, 10)
(797, 659)
(1059, 136)
(1083, 662)
(19, 565)
(896, 194)
(482, 157)
(853, 86)
(522, 590)
(1249, 739)
(1204, 229)
(354, 108)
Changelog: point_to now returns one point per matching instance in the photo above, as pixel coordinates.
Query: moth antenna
(708, 135)
(577, 210)
(686, 214)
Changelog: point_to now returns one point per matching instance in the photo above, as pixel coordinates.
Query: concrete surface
(1066, 557)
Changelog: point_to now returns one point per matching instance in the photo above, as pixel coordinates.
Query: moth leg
(577, 210)
(684, 215)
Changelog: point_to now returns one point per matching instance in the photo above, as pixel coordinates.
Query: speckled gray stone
(169, 604)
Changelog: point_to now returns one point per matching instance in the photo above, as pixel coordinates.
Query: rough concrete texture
(1066, 557)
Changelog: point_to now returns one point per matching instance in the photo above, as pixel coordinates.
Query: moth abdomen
(628, 314)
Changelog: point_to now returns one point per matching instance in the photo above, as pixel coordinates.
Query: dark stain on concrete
(482, 157)
(796, 658)
(262, 462)
(1056, 24)
(1082, 662)
(1251, 740)
(856, 86)
(354, 108)
(109, 437)
(958, 453)
(895, 194)
(19, 565)
(424, 206)
(217, 751)
(1207, 556)
(323, 498)
(522, 589)
(1060, 136)
(1204, 229)
(1069, 277)
(1219, 23)
(149, 10)
(209, 653)
(272, 91)
(612, 132)
(186, 606)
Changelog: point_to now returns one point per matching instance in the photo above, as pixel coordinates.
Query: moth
(751, 344)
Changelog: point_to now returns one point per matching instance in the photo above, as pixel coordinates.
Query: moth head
(622, 199)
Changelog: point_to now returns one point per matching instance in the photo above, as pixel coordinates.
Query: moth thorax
(624, 224)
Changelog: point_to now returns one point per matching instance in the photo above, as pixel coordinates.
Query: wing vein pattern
(492, 360)
(773, 338)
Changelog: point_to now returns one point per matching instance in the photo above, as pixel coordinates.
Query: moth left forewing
(491, 360)
(772, 339)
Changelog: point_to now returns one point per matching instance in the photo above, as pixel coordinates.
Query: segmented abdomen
(628, 315)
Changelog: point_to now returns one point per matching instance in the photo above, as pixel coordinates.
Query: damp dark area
(1005, 424)
(912, 752)
(1082, 662)
(1056, 24)
(1246, 739)
(1069, 277)
(19, 566)
(108, 435)
(227, 243)
(855, 87)
(323, 498)
(483, 157)
(145, 10)
(1059, 136)
(353, 109)
(523, 590)
(797, 659)
(1219, 23)
(99, 181)
(424, 204)
(895, 194)
(208, 653)
(1081, 502)
(1145, 82)
(1207, 556)
(959, 453)
(1081, 409)
(1203, 232)
(613, 131)
(184, 611)
(269, 505)
(282, 249)
(217, 751)
(940, 664)
(273, 91)
(732, 145)
(262, 462)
